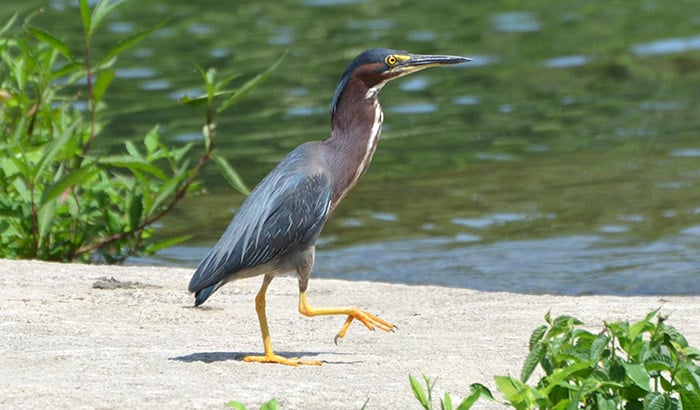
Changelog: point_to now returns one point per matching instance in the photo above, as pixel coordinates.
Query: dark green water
(564, 159)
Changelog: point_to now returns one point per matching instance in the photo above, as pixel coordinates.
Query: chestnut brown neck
(355, 127)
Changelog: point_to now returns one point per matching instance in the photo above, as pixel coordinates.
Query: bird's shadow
(213, 357)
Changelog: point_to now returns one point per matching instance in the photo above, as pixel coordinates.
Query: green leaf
(4, 225)
(129, 42)
(642, 325)
(692, 353)
(101, 10)
(75, 177)
(20, 186)
(168, 189)
(165, 243)
(477, 390)
(135, 211)
(250, 85)
(621, 331)
(536, 336)
(270, 405)
(446, 402)
(561, 374)
(145, 186)
(483, 390)
(598, 347)
(104, 79)
(133, 150)
(419, 393)
(605, 403)
(690, 399)
(638, 374)
(658, 362)
(230, 174)
(689, 376)
(114, 222)
(223, 83)
(45, 218)
(196, 101)
(211, 86)
(8, 25)
(53, 42)
(47, 160)
(85, 15)
(562, 324)
(71, 69)
(152, 141)
(532, 359)
(675, 336)
(131, 163)
(654, 401)
(512, 389)
(236, 405)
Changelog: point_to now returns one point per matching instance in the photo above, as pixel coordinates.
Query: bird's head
(376, 66)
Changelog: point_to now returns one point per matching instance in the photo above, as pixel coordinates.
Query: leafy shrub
(643, 365)
(60, 201)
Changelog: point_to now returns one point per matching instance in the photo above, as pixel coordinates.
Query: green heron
(275, 230)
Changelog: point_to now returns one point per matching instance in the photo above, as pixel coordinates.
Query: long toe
(370, 321)
(274, 358)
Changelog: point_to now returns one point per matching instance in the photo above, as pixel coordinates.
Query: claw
(370, 321)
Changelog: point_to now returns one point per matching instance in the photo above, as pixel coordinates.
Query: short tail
(203, 294)
(207, 278)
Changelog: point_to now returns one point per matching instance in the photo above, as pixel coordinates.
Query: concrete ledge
(71, 338)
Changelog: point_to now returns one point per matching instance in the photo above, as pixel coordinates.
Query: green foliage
(426, 398)
(643, 365)
(270, 405)
(58, 199)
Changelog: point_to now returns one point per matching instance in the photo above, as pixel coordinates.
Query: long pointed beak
(417, 62)
(429, 60)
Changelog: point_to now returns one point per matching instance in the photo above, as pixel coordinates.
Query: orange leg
(369, 320)
(270, 356)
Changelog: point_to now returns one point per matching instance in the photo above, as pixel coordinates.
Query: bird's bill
(430, 60)
(411, 63)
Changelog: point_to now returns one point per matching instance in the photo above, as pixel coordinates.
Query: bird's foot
(370, 321)
(273, 358)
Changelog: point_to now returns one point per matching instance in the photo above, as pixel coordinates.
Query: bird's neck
(355, 128)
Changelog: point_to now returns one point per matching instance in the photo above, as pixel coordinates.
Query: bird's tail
(205, 280)
(203, 294)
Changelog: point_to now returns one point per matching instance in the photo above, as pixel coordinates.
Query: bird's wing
(282, 213)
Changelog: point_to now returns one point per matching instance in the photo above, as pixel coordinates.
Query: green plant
(58, 199)
(270, 405)
(643, 365)
(426, 398)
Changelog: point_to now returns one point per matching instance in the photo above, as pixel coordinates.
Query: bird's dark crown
(374, 57)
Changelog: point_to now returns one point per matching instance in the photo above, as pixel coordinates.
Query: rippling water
(563, 159)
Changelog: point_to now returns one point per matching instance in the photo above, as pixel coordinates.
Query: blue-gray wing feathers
(286, 211)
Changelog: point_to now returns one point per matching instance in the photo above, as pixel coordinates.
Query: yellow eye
(391, 60)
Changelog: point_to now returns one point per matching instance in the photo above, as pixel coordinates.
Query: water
(563, 159)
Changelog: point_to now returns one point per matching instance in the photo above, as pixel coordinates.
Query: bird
(275, 229)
